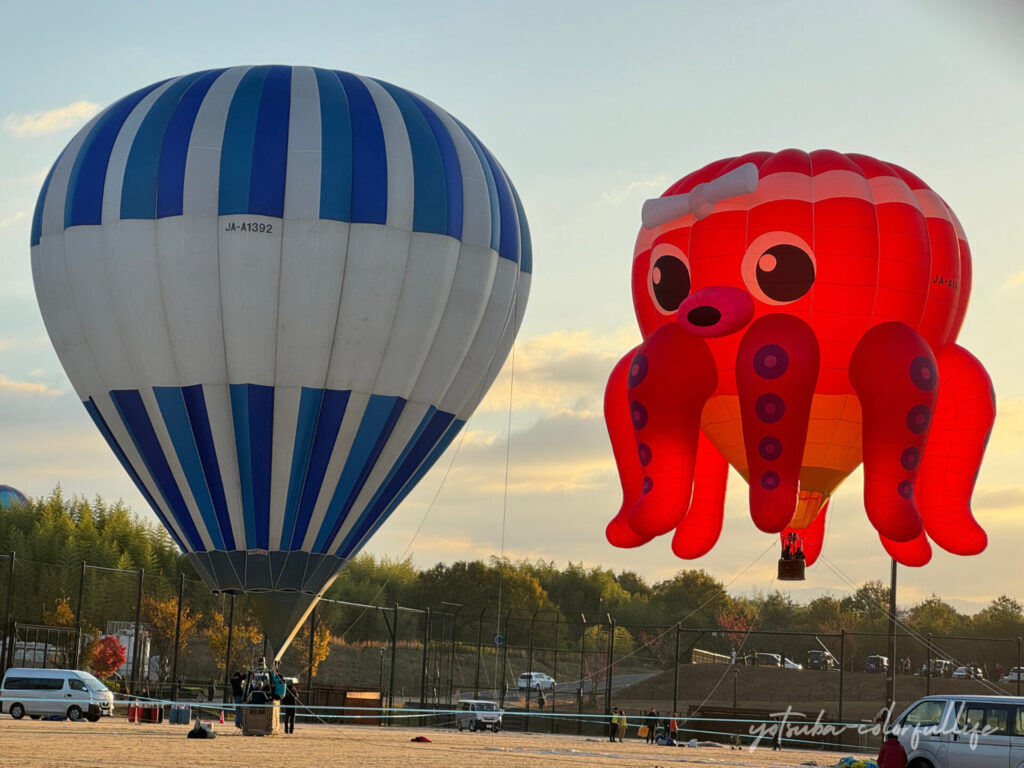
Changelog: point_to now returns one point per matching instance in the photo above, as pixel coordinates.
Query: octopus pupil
(787, 273)
(671, 282)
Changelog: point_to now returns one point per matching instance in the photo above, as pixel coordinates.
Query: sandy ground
(116, 744)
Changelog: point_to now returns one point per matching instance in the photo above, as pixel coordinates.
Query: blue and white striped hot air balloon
(280, 292)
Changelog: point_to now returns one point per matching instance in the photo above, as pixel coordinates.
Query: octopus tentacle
(776, 371)
(698, 531)
(671, 375)
(894, 373)
(915, 553)
(620, 429)
(964, 414)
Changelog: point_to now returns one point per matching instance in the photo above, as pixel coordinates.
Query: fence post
(675, 676)
(928, 676)
(423, 669)
(177, 638)
(842, 669)
(231, 630)
(1019, 641)
(391, 677)
(451, 662)
(583, 657)
(137, 650)
(312, 640)
(529, 668)
(611, 667)
(6, 653)
(504, 660)
(78, 617)
(554, 674)
(479, 653)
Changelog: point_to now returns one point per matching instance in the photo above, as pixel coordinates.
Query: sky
(591, 107)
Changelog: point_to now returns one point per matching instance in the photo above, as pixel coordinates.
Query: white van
(478, 715)
(38, 692)
(964, 732)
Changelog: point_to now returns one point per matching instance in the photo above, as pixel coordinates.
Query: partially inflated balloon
(280, 292)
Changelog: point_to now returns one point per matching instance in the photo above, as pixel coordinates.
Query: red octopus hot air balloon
(799, 314)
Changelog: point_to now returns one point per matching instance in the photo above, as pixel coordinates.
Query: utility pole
(177, 639)
(890, 693)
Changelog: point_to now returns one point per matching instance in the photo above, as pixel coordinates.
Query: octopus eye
(778, 268)
(669, 281)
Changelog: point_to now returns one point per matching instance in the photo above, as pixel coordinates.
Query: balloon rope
(504, 501)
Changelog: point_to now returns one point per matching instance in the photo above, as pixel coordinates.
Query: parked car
(1015, 674)
(70, 692)
(940, 668)
(478, 715)
(969, 672)
(533, 681)
(955, 731)
(774, 660)
(821, 660)
(790, 664)
(876, 663)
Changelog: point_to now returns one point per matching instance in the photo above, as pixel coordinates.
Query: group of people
(264, 686)
(656, 728)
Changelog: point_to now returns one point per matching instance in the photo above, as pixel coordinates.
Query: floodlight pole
(890, 693)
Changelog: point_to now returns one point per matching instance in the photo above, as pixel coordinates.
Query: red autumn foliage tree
(106, 655)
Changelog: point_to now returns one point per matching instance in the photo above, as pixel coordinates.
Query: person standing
(652, 724)
(892, 754)
(288, 702)
(623, 725)
(673, 726)
(237, 690)
(613, 725)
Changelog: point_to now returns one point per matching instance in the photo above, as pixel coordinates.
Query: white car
(1015, 674)
(70, 692)
(968, 673)
(534, 681)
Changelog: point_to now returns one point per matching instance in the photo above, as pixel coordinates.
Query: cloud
(14, 218)
(50, 121)
(998, 497)
(1008, 431)
(1014, 280)
(560, 372)
(27, 387)
(635, 189)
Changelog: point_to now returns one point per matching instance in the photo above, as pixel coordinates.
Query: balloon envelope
(279, 292)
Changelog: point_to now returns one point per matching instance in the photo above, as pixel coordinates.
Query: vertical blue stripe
(430, 197)
(435, 454)
(525, 241)
(136, 420)
(139, 186)
(305, 431)
(252, 408)
(374, 430)
(508, 244)
(270, 145)
(452, 169)
(430, 429)
(328, 423)
(37, 215)
(172, 408)
(369, 155)
(84, 201)
(240, 418)
(492, 189)
(103, 427)
(239, 137)
(335, 149)
(174, 152)
(199, 418)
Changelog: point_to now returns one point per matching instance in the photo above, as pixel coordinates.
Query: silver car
(963, 732)
(478, 715)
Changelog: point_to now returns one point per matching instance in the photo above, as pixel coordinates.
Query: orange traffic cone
(222, 717)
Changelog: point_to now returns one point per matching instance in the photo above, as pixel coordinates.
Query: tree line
(52, 536)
